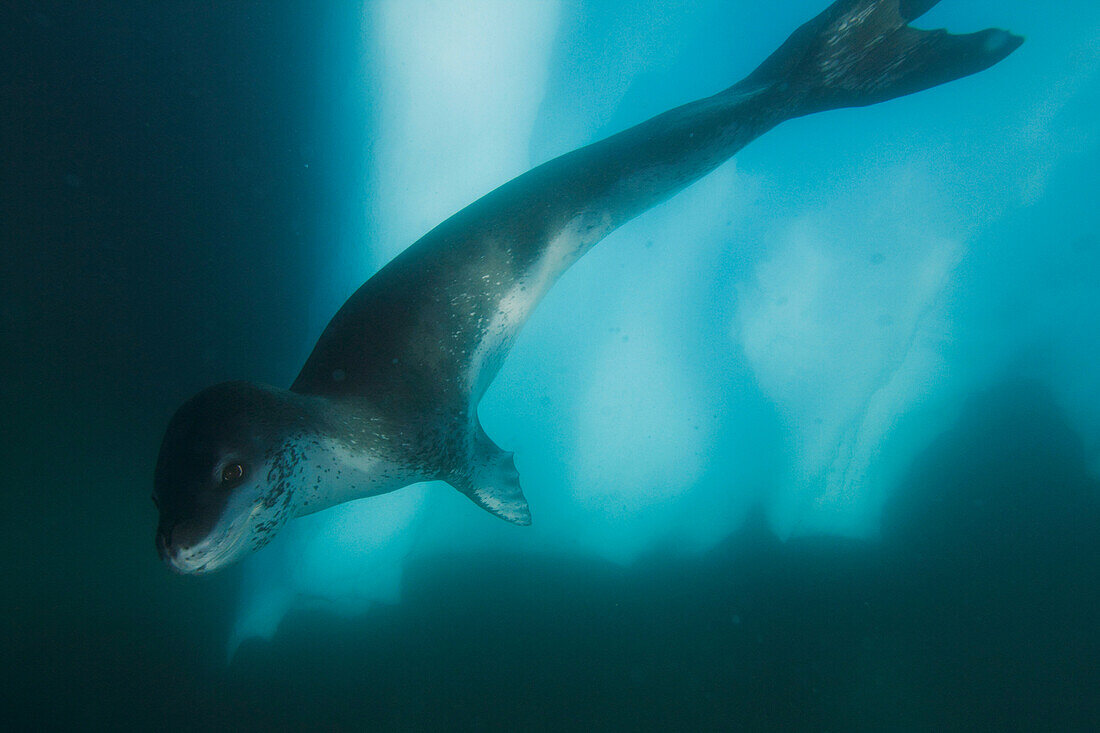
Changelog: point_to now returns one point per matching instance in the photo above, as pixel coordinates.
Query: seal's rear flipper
(861, 52)
(492, 481)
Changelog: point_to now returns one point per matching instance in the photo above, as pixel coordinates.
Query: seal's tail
(860, 52)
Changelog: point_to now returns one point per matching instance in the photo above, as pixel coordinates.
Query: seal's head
(221, 482)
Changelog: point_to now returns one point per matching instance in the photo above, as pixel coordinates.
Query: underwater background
(814, 445)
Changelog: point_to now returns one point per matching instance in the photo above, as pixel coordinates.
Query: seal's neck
(335, 452)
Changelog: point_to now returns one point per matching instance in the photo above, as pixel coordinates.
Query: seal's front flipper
(861, 52)
(491, 480)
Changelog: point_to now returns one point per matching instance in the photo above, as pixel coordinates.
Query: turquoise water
(814, 445)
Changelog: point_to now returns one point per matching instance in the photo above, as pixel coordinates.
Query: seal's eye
(231, 474)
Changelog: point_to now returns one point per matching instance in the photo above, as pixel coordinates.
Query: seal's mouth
(212, 553)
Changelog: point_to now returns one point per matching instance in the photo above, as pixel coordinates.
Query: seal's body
(389, 395)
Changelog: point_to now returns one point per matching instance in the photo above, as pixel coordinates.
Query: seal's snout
(164, 539)
(177, 558)
(172, 544)
(188, 548)
(168, 552)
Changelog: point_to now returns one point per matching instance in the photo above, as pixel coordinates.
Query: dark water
(168, 175)
(976, 610)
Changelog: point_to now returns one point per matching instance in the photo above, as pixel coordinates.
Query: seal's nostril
(164, 540)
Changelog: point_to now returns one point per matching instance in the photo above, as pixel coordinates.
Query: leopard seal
(389, 395)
